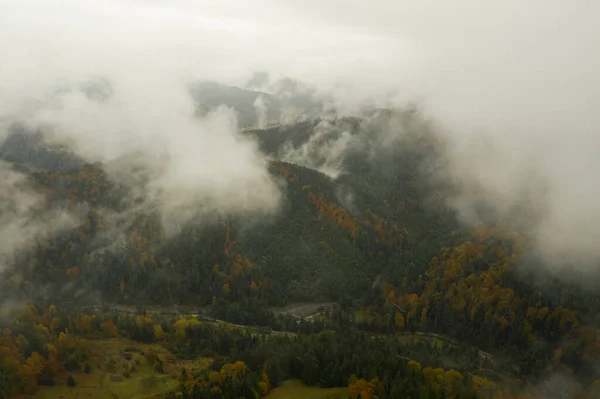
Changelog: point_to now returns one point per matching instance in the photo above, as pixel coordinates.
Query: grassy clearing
(120, 368)
(303, 309)
(294, 389)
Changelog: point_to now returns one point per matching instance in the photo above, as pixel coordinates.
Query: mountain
(261, 102)
(314, 248)
(27, 149)
(363, 223)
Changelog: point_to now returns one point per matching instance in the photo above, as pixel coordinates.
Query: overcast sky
(473, 60)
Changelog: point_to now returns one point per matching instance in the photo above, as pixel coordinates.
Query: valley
(299, 200)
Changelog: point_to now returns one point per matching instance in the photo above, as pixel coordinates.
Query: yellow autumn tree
(424, 318)
(215, 377)
(109, 328)
(399, 322)
(64, 343)
(159, 333)
(84, 323)
(239, 368)
(414, 366)
(29, 372)
(52, 310)
(52, 361)
(264, 384)
(361, 388)
(452, 378)
(253, 287)
(55, 324)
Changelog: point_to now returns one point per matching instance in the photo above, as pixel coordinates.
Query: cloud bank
(25, 216)
(139, 111)
(523, 76)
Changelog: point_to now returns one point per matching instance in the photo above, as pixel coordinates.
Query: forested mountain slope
(362, 222)
(314, 248)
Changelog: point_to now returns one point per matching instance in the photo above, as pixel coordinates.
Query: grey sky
(510, 54)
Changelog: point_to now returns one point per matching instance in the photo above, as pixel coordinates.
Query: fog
(24, 216)
(521, 74)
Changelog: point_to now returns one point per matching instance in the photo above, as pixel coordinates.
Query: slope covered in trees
(313, 248)
(363, 224)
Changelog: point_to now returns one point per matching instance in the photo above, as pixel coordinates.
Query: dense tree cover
(27, 151)
(40, 345)
(274, 261)
(43, 344)
(469, 294)
(393, 258)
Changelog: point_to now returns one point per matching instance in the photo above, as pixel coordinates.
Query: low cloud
(515, 87)
(324, 150)
(260, 105)
(25, 216)
(543, 186)
(123, 100)
(181, 164)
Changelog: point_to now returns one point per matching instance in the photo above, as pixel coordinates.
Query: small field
(123, 369)
(294, 389)
(303, 309)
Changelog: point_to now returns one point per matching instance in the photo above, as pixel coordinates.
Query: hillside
(362, 225)
(285, 100)
(313, 248)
